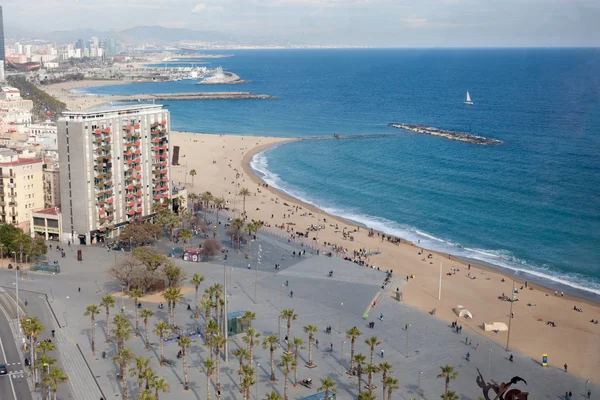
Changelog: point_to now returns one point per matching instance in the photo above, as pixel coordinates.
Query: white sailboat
(468, 99)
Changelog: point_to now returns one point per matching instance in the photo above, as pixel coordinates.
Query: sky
(386, 23)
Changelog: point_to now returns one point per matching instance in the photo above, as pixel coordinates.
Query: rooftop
(48, 211)
(105, 112)
(21, 161)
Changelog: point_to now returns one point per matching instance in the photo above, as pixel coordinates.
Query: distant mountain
(158, 34)
(132, 36)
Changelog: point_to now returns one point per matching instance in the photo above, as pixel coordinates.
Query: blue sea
(530, 205)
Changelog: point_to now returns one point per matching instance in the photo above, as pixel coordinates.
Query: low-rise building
(21, 188)
(51, 179)
(46, 223)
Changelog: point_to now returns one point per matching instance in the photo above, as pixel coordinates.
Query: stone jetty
(450, 135)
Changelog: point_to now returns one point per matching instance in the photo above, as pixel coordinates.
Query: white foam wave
(500, 258)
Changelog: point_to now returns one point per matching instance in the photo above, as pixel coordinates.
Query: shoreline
(222, 157)
(581, 295)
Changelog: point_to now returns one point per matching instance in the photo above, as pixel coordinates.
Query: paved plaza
(339, 301)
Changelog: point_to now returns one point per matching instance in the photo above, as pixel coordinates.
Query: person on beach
(566, 367)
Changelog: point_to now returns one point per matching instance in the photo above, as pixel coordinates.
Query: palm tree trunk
(124, 383)
(389, 396)
(447, 384)
(249, 242)
(285, 385)
(217, 232)
(359, 373)
(218, 368)
(250, 346)
(147, 334)
(54, 394)
(309, 352)
(289, 339)
(185, 374)
(370, 380)
(107, 325)
(93, 336)
(272, 351)
(173, 309)
(207, 387)
(162, 351)
(351, 354)
(137, 326)
(383, 378)
(32, 357)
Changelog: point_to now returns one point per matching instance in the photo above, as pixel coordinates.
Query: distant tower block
(175, 155)
(2, 49)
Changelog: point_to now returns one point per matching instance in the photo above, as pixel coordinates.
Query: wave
(502, 259)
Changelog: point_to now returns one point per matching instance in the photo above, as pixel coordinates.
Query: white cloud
(200, 7)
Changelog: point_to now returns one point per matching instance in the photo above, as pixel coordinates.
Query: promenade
(340, 301)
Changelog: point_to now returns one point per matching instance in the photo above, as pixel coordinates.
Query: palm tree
(193, 174)
(138, 370)
(209, 366)
(159, 384)
(273, 396)
(385, 369)
(270, 342)
(391, 384)
(108, 302)
(145, 314)
(135, 295)
(122, 331)
(450, 395)
(196, 280)
(297, 345)
(327, 385)
(247, 380)
(251, 228)
(372, 342)
(33, 328)
(219, 343)
(237, 225)
(366, 396)
(185, 235)
(359, 359)
(92, 311)
(55, 378)
(249, 338)
(352, 334)
(310, 329)
(371, 369)
(206, 198)
(289, 315)
(219, 202)
(161, 329)
(184, 343)
(244, 192)
(287, 361)
(193, 197)
(241, 353)
(145, 395)
(448, 374)
(172, 295)
(123, 358)
(42, 364)
(44, 347)
(206, 305)
(210, 332)
(149, 377)
(248, 317)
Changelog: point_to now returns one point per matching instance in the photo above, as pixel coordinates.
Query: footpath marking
(11, 382)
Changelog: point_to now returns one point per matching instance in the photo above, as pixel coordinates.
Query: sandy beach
(574, 340)
(218, 158)
(78, 101)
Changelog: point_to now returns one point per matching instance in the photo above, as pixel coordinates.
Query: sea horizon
(527, 206)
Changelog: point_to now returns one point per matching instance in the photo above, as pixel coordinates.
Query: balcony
(12, 203)
(13, 214)
(12, 195)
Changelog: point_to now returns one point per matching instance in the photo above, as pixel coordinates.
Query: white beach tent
(462, 312)
(494, 326)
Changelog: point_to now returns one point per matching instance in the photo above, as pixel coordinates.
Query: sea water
(531, 204)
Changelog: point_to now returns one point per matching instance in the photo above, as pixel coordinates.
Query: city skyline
(377, 23)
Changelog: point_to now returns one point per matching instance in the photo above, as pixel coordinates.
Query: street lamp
(226, 319)
(406, 344)
(66, 321)
(419, 385)
(17, 289)
(257, 366)
(342, 358)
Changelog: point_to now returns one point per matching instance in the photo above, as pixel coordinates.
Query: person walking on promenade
(566, 367)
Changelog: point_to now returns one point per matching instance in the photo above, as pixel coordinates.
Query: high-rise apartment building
(21, 188)
(114, 167)
(2, 48)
